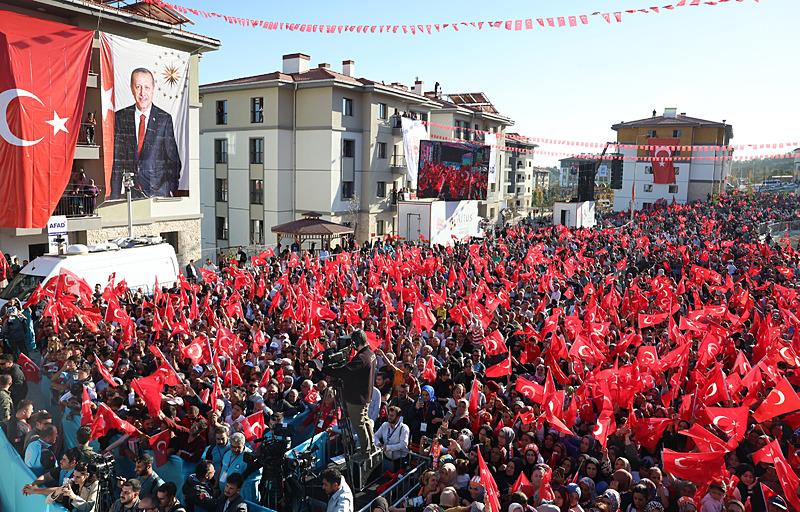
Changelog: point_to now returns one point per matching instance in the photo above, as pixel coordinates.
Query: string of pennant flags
(634, 157)
(621, 146)
(521, 24)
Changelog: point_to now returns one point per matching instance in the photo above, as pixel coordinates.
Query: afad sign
(43, 73)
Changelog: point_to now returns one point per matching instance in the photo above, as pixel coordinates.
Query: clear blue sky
(736, 61)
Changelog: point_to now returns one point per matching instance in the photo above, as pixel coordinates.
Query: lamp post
(127, 182)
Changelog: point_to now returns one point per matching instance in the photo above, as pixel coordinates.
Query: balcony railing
(86, 137)
(76, 204)
(398, 161)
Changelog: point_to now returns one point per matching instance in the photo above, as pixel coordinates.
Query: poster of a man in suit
(145, 118)
(144, 143)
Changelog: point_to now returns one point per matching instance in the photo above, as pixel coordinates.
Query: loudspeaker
(586, 182)
(616, 172)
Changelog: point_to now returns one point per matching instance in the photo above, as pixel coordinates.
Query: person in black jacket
(19, 387)
(359, 374)
(198, 492)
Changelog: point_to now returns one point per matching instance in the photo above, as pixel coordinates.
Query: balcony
(87, 148)
(398, 164)
(76, 204)
(397, 125)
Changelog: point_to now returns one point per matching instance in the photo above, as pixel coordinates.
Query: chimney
(324, 65)
(683, 114)
(671, 113)
(295, 63)
(349, 67)
(418, 87)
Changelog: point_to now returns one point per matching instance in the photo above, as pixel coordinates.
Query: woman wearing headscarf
(426, 416)
(611, 498)
(588, 492)
(505, 439)
(506, 479)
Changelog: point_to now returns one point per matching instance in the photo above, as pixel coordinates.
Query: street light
(127, 182)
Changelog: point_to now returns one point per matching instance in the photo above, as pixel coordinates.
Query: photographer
(359, 374)
(79, 493)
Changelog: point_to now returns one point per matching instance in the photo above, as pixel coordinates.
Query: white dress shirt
(341, 500)
(393, 439)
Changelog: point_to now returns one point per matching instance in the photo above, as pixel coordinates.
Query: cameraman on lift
(359, 374)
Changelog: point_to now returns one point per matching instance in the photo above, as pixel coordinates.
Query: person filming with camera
(78, 493)
(359, 374)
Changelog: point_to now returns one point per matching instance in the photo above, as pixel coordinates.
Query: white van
(138, 261)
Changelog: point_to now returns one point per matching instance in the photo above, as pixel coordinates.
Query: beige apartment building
(309, 138)
(94, 221)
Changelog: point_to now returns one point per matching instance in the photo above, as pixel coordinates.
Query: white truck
(138, 261)
(438, 222)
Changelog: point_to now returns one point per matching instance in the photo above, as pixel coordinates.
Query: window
(381, 189)
(648, 187)
(222, 228)
(458, 130)
(673, 189)
(221, 190)
(383, 111)
(676, 133)
(478, 136)
(256, 110)
(256, 191)
(222, 111)
(347, 190)
(348, 148)
(648, 169)
(347, 107)
(382, 150)
(221, 151)
(256, 231)
(651, 133)
(380, 227)
(257, 151)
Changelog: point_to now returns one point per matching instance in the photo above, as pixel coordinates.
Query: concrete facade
(178, 218)
(331, 143)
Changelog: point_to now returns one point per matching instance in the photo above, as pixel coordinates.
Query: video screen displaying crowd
(640, 367)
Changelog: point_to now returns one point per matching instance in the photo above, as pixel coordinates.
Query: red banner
(663, 169)
(43, 70)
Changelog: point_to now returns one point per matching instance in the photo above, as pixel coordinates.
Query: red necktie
(141, 133)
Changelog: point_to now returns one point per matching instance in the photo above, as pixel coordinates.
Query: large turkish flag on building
(43, 70)
(661, 151)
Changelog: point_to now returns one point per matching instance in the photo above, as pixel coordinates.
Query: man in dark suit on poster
(144, 144)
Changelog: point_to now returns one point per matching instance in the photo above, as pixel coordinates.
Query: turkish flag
(103, 371)
(501, 369)
(530, 390)
(160, 444)
(29, 368)
(149, 389)
(651, 320)
(662, 154)
(489, 485)
(86, 408)
(494, 344)
(197, 351)
(253, 426)
(649, 431)
(43, 71)
(696, 467)
(732, 421)
(106, 420)
(422, 318)
(429, 373)
(781, 399)
(523, 484)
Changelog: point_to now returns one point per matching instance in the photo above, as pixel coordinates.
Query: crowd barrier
(16, 475)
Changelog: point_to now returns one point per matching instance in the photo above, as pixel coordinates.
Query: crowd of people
(640, 367)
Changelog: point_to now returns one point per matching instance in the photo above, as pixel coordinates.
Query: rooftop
(671, 118)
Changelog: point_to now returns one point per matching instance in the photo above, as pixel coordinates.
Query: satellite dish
(77, 249)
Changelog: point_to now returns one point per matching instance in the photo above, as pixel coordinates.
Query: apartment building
(310, 138)
(522, 173)
(702, 164)
(95, 220)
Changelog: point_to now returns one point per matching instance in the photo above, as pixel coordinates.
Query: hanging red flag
(160, 445)
(28, 367)
(662, 160)
(489, 485)
(42, 91)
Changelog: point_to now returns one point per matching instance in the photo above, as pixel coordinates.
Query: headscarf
(624, 479)
(654, 506)
(626, 463)
(380, 503)
(592, 494)
(509, 433)
(613, 499)
(429, 389)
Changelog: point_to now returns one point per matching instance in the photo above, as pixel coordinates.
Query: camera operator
(79, 493)
(334, 485)
(359, 374)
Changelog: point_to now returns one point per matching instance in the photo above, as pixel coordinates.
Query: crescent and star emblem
(6, 97)
(776, 397)
(678, 462)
